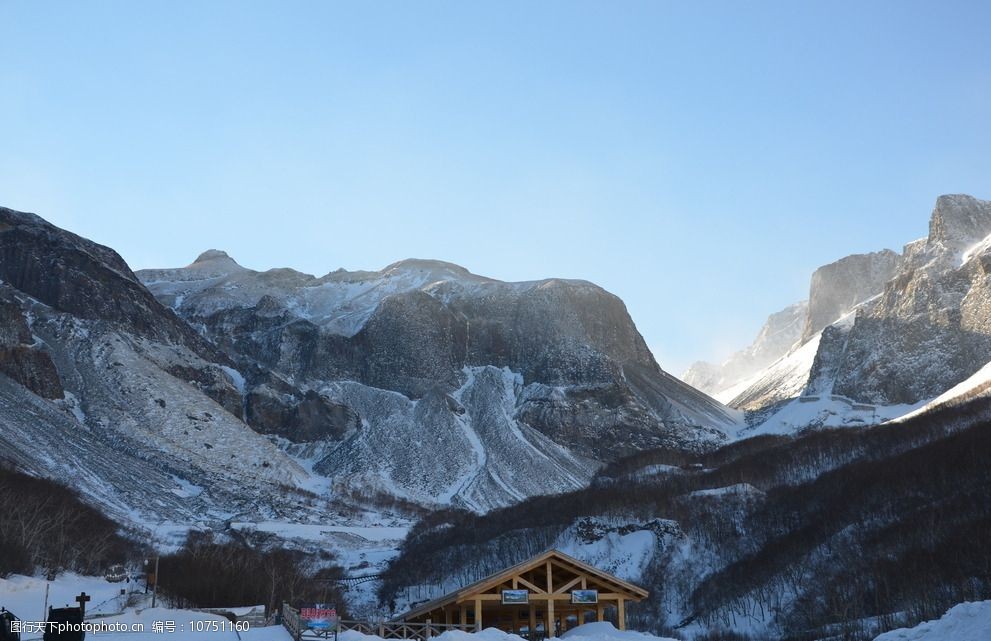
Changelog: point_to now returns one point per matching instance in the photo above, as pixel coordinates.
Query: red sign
(318, 613)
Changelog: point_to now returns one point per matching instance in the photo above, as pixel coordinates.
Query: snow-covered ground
(828, 410)
(320, 532)
(624, 555)
(964, 622)
(607, 632)
(25, 597)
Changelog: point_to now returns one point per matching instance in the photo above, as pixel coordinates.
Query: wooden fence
(384, 629)
(403, 629)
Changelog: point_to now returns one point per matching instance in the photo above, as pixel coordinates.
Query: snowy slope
(977, 384)
(776, 338)
(617, 547)
(964, 622)
(467, 448)
(783, 379)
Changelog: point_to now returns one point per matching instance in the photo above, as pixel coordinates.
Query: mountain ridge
(487, 379)
(894, 330)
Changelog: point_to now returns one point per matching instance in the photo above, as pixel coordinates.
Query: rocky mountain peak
(212, 255)
(959, 220)
(439, 269)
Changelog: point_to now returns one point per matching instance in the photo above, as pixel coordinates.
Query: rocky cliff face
(931, 326)
(420, 328)
(838, 287)
(886, 329)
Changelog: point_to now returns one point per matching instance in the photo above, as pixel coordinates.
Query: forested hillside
(842, 531)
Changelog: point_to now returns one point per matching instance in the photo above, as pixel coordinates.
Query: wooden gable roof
(629, 590)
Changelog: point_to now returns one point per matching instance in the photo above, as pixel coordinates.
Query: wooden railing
(384, 629)
(292, 621)
(403, 629)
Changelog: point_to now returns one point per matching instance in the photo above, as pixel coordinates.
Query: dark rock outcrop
(838, 287)
(299, 417)
(20, 358)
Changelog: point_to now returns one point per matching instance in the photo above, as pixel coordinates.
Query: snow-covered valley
(372, 422)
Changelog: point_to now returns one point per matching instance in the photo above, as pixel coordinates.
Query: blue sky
(698, 159)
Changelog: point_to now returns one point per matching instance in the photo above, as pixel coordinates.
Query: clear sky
(699, 159)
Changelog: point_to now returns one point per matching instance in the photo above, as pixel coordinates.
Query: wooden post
(478, 615)
(427, 630)
(533, 621)
(463, 620)
(564, 622)
(600, 612)
(447, 616)
(621, 613)
(549, 617)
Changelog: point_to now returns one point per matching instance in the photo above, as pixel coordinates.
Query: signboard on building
(319, 616)
(515, 597)
(584, 597)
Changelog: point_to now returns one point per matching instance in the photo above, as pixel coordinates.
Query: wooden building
(547, 595)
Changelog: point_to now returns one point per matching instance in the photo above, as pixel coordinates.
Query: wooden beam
(478, 615)
(570, 584)
(620, 614)
(550, 581)
(557, 596)
(533, 620)
(529, 586)
(600, 612)
(549, 619)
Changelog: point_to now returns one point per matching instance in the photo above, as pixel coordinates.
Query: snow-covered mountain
(108, 391)
(418, 323)
(280, 397)
(449, 386)
(884, 332)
